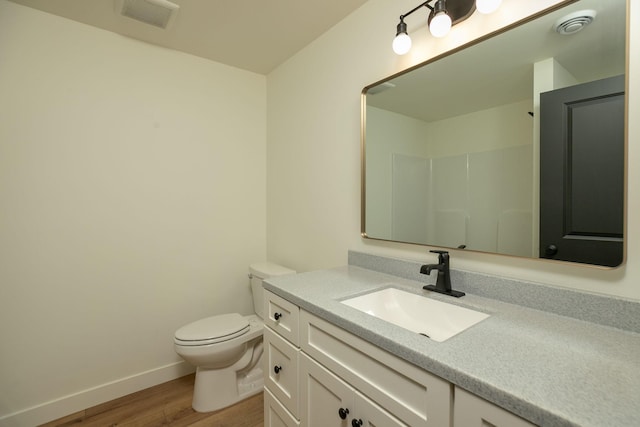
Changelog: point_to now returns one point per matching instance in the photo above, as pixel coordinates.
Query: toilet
(227, 349)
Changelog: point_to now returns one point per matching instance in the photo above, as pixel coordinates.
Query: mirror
(465, 151)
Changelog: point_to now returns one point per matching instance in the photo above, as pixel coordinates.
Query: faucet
(443, 282)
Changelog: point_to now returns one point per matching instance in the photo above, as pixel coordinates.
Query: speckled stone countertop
(551, 369)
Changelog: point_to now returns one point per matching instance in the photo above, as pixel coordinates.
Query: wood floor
(167, 404)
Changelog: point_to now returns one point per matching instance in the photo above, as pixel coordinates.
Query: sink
(435, 319)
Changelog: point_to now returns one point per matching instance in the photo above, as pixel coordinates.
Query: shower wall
(450, 184)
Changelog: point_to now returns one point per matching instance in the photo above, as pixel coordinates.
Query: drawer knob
(277, 369)
(356, 423)
(343, 412)
(277, 316)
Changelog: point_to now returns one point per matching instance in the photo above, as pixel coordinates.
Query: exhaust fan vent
(574, 22)
(159, 13)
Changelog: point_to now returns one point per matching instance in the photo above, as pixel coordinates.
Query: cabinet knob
(277, 316)
(356, 423)
(343, 412)
(277, 369)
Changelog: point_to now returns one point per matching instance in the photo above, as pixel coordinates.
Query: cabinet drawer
(276, 415)
(281, 368)
(472, 411)
(281, 316)
(411, 394)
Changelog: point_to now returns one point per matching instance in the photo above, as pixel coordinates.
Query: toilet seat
(212, 330)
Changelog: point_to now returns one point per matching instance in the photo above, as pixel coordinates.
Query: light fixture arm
(425, 4)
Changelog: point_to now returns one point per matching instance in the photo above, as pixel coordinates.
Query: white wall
(313, 158)
(132, 201)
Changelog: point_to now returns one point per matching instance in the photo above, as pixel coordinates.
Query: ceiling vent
(159, 13)
(574, 22)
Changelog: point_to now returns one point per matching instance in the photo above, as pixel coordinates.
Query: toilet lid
(212, 330)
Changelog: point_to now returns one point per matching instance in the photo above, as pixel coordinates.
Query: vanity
(569, 360)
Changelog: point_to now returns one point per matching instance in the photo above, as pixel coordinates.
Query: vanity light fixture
(443, 14)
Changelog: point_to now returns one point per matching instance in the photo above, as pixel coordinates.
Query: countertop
(547, 368)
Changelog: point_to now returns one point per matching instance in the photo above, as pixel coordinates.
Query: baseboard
(76, 402)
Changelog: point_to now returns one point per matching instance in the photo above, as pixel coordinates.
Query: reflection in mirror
(459, 152)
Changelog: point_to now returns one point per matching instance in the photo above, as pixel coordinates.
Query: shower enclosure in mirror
(513, 145)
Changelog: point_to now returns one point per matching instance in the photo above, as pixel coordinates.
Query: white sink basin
(435, 319)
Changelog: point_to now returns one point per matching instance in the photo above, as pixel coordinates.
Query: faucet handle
(439, 252)
(443, 256)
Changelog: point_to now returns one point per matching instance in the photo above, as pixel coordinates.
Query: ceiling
(254, 35)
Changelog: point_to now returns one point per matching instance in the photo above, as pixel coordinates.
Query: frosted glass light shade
(402, 44)
(487, 6)
(440, 25)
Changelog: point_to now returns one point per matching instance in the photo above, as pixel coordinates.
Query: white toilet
(226, 349)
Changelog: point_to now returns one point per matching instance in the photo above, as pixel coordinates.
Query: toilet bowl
(227, 349)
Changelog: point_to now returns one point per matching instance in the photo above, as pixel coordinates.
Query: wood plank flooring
(167, 404)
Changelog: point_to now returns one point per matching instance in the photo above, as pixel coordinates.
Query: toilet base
(216, 389)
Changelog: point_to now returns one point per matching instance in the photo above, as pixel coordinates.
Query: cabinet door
(471, 411)
(276, 415)
(368, 414)
(410, 393)
(325, 400)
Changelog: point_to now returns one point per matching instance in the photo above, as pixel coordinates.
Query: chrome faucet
(443, 282)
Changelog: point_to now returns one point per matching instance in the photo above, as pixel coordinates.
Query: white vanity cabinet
(472, 411)
(319, 375)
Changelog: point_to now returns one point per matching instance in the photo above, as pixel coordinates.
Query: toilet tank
(258, 272)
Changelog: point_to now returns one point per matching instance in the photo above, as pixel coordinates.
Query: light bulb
(402, 44)
(440, 24)
(487, 6)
